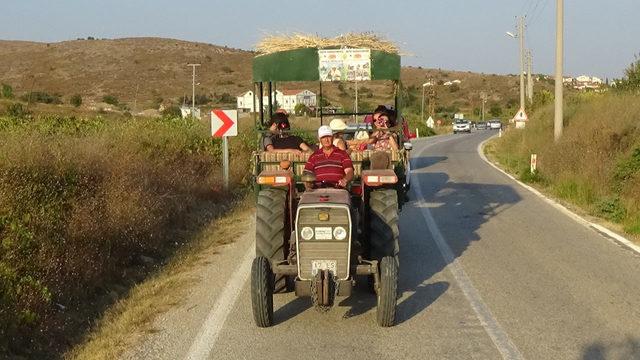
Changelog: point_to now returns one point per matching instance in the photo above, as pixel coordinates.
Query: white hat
(324, 130)
(337, 125)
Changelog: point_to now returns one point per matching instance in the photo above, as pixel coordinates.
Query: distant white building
(186, 112)
(456, 82)
(583, 82)
(245, 102)
(448, 83)
(285, 99)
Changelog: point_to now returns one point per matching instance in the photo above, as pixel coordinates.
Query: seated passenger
(371, 119)
(281, 140)
(382, 138)
(329, 164)
(338, 127)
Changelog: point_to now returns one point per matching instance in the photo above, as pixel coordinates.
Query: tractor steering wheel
(324, 184)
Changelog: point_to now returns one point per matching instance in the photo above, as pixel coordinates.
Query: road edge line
(611, 235)
(492, 327)
(206, 338)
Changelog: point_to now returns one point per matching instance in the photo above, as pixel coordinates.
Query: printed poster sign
(345, 64)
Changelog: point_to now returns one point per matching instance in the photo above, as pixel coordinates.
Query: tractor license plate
(323, 233)
(323, 265)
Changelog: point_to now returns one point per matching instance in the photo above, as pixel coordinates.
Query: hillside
(142, 69)
(144, 72)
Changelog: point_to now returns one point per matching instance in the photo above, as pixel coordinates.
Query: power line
(536, 16)
(524, 6)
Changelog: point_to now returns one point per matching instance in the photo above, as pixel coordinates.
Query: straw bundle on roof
(275, 43)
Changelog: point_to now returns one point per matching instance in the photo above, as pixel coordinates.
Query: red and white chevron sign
(224, 123)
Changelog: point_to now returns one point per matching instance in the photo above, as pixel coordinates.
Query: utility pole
(558, 116)
(422, 107)
(521, 36)
(432, 100)
(355, 117)
(529, 79)
(483, 96)
(193, 89)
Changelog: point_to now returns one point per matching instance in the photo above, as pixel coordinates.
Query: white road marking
(206, 339)
(610, 235)
(499, 337)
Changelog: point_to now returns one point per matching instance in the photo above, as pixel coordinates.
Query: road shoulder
(602, 230)
(159, 315)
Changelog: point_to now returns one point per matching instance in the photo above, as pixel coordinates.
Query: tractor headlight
(339, 233)
(306, 233)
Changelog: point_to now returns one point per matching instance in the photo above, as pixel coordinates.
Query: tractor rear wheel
(387, 292)
(383, 225)
(271, 228)
(262, 292)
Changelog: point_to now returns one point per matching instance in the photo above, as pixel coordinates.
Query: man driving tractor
(329, 164)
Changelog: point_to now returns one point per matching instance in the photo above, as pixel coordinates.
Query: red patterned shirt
(329, 167)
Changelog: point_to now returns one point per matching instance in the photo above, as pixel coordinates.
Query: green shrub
(17, 110)
(172, 111)
(611, 208)
(627, 169)
(226, 98)
(75, 100)
(41, 97)
(495, 111)
(7, 91)
(631, 81)
(528, 177)
(111, 100)
(302, 109)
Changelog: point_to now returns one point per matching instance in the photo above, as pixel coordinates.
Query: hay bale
(274, 43)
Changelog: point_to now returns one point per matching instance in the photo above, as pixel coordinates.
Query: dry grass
(595, 166)
(82, 203)
(124, 323)
(275, 43)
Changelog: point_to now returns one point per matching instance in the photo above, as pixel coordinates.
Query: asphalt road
(488, 271)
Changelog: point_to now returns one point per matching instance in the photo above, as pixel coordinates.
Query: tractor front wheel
(262, 292)
(383, 224)
(272, 230)
(387, 292)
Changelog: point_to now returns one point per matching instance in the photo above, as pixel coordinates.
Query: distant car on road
(481, 125)
(461, 126)
(495, 124)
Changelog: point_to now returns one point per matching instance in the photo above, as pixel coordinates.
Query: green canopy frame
(303, 65)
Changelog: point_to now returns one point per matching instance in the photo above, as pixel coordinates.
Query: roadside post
(534, 163)
(417, 133)
(224, 123)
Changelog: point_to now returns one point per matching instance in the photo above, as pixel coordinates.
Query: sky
(601, 37)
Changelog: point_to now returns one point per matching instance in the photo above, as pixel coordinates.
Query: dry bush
(81, 200)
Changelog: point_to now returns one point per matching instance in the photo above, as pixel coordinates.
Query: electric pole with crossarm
(193, 89)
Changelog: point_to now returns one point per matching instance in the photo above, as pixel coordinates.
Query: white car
(461, 126)
(495, 124)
